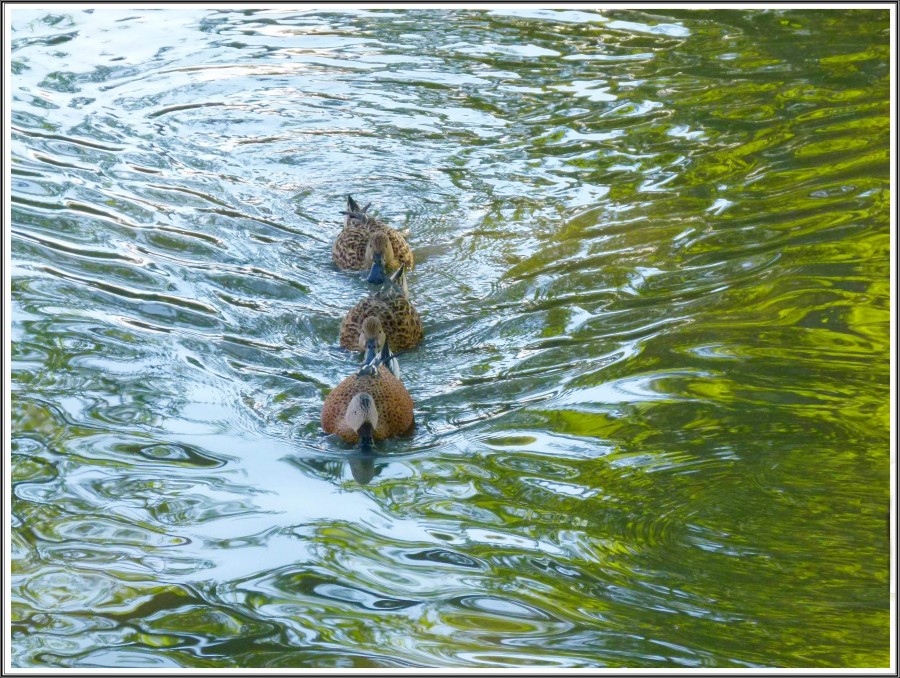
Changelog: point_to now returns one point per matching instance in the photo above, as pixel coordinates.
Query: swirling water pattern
(652, 403)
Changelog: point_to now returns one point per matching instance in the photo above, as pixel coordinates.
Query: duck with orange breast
(372, 404)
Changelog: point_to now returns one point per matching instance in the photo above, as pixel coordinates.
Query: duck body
(401, 322)
(373, 386)
(352, 251)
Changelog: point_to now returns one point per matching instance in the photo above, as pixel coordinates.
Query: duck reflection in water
(364, 466)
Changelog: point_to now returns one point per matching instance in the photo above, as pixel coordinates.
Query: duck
(401, 323)
(359, 245)
(370, 405)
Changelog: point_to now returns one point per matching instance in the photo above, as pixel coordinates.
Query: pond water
(652, 402)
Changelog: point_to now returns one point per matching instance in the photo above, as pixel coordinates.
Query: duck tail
(354, 211)
(369, 369)
(398, 277)
(389, 360)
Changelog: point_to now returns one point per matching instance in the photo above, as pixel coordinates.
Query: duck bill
(376, 273)
(371, 349)
(366, 437)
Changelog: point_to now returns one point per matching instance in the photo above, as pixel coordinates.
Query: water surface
(653, 399)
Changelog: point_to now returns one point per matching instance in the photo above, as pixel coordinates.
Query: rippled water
(653, 399)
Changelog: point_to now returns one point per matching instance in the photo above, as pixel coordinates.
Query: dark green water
(652, 401)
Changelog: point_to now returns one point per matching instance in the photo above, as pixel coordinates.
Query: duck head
(379, 256)
(362, 417)
(372, 338)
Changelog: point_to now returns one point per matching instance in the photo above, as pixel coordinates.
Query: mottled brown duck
(399, 319)
(366, 242)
